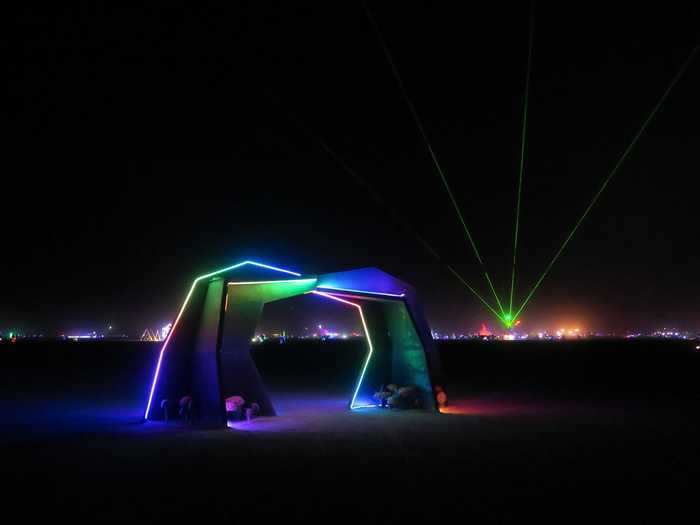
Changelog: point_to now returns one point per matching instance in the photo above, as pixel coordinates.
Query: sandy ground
(494, 457)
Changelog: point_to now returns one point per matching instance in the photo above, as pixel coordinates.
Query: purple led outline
(369, 343)
(361, 291)
(272, 282)
(182, 309)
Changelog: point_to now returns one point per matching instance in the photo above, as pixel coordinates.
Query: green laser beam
(493, 289)
(424, 135)
(522, 154)
(395, 216)
(404, 222)
(619, 163)
(485, 303)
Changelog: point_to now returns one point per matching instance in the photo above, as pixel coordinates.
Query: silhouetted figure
(186, 409)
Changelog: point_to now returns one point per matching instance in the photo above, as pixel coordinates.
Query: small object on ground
(234, 408)
(407, 391)
(409, 396)
(381, 396)
(393, 401)
(440, 396)
(249, 413)
(441, 399)
(394, 396)
(186, 408)
(233, 403)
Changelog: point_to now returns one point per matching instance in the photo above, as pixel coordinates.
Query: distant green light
(508, 320)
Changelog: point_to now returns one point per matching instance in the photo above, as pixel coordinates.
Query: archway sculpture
(207, 352)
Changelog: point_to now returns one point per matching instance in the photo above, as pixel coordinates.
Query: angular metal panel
(244, 306)
(206, 391)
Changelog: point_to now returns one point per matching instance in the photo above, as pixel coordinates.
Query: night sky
(147, 146)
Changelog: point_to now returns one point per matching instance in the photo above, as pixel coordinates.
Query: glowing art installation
(207, 351)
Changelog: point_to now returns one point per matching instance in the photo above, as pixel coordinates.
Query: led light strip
(361, 291)
(369, 343)
(182, 309)
(295, 281)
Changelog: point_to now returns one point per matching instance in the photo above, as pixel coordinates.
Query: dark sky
(147, 146)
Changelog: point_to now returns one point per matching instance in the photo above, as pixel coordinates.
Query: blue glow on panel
(182, 310)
